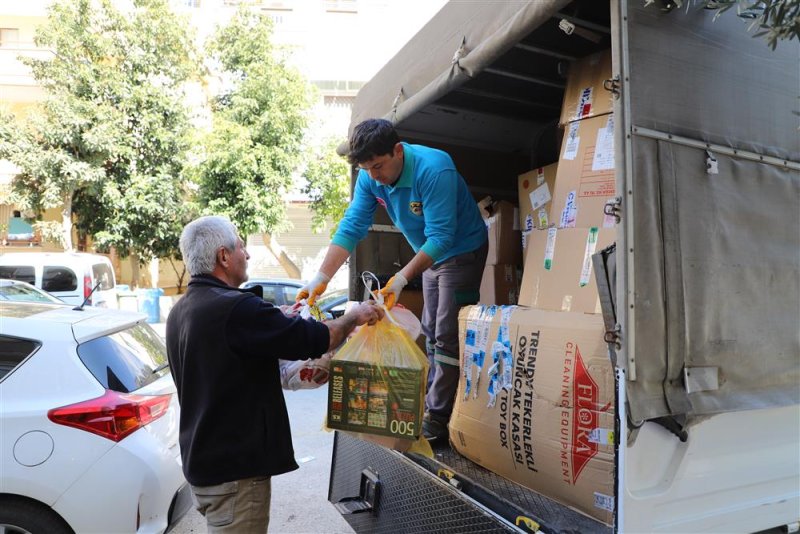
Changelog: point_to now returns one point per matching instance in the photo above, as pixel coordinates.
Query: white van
(70, 276)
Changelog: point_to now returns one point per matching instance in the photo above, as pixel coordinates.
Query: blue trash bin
(148, 303)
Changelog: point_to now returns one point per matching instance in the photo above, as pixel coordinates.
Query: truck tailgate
(446, 494)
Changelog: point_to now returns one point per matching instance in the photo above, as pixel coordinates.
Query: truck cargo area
(705, 175)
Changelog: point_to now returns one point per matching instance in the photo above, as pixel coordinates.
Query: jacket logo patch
(415, 207)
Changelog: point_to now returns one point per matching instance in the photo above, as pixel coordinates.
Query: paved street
(300, 498)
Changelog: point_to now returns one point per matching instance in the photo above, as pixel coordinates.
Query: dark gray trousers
(446, 288)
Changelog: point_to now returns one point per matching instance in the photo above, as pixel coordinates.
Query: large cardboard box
(502, 221)
(535, 189)
(585, 95)
(549, 425)
(558, 272)
(585, 174)
(500, 284)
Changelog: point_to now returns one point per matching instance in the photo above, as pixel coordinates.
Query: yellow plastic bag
(377, 387)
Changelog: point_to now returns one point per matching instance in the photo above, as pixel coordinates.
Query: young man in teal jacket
(428, 200)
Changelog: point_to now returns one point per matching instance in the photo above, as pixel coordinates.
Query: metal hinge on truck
(613, 208)
(367, 498)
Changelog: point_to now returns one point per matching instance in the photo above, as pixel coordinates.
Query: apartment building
(336, 44)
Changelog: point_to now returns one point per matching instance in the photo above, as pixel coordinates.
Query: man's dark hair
(370, 138)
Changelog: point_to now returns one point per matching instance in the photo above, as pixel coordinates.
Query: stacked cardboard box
(585, 95)
(543, 416)
(500, 282)
(557, 273)
(536, 397)
(535, 190)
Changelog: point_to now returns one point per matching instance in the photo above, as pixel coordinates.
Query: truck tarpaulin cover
(715, 284)
(717, 265)
(462, 39)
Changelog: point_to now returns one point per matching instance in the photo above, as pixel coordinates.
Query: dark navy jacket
(223, 345)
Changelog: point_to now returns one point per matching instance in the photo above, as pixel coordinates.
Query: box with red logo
(585, 95)
(535, 403)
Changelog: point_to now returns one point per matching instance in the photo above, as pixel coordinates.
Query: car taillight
(87, 288)
(114, 415)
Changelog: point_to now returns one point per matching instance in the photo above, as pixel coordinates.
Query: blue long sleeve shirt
(430, 204)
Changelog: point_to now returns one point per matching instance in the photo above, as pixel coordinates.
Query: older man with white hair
(223, 345)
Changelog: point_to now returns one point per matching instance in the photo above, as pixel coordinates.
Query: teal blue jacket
(430, 204)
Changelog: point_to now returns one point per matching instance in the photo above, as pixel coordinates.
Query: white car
(73, 277)
(88, 423)
(20, 291)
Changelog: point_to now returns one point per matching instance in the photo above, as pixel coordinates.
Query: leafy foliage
(772, 19)
(328, 184)
(111, 134)
(259, 121)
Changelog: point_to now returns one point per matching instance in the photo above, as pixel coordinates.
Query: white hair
(202, 238)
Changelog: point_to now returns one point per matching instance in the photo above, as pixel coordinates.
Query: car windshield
(25, 293)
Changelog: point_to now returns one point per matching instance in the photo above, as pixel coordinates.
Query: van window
(290, 293)
(23, 273)
(127, 360)
(12, 352)
(102, 273)
(59, 279)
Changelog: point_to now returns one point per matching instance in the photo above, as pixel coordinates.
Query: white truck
(701, 293)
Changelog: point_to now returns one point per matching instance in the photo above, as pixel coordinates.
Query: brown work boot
(434, 427)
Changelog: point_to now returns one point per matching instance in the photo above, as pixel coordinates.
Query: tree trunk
(66, 221)
(276, 249)
(154, 272)
(134, 271)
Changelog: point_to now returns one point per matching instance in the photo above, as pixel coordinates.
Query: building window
(275, 5)
(192, 3)
(9, 37)
(341, 6)
(339, 101)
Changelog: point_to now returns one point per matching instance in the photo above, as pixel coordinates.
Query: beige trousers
(240, 506)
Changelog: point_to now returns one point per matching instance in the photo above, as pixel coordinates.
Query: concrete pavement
(300, 498)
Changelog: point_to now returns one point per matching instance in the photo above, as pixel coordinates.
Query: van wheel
(24, 516)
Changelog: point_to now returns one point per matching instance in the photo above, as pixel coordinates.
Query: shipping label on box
(548, 421)
(585, 95)
(585, 178)
(558, 272)
(373, 399)
(535, 191)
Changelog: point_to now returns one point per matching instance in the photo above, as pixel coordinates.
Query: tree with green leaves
(110, 141)
(328, 185)
(259, 122)
(774, 20)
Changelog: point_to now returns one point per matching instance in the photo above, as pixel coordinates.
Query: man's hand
(391, 291)
(314, 288)
(365, 313)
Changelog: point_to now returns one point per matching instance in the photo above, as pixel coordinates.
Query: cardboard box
(585, 175)
(500, 284)
(550, 426)
(502, 220)
(535, 189)
(584, 95)
(558, 272)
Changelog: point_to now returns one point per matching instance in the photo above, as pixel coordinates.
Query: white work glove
(391, 291)
(314, 288)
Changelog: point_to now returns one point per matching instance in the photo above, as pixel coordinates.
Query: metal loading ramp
(447, 494)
